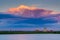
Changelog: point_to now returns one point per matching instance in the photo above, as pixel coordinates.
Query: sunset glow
(29, 15)
(29, 11)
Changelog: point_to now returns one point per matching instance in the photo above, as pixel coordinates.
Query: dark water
(30, 37)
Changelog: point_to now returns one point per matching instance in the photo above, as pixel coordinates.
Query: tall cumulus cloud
(31, 12)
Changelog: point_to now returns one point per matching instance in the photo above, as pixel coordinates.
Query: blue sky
(40, 20)
(48, 4)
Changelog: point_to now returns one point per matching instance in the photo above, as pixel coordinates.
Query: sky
(29, 14)
(48, 4)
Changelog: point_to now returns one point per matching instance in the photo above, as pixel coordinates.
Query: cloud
(31, 12)
(29, 17)
(44, 15)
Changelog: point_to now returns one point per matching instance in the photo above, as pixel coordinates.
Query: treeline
(28, 32)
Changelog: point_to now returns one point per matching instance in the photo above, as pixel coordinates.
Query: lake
(30, 37)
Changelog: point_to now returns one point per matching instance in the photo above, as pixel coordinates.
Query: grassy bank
(28, 32)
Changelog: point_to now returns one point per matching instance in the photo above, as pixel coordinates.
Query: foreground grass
(28, 32)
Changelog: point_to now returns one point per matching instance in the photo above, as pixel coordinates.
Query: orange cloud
(26, 7)
(30, 11)
(21, 8)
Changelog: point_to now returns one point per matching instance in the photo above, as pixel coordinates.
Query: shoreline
(28, 32)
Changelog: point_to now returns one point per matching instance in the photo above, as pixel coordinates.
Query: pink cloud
(31, 12)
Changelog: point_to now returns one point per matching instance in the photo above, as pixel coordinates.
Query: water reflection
(30, 37)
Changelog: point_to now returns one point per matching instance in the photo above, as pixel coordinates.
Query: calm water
(30, 37)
